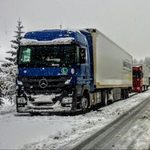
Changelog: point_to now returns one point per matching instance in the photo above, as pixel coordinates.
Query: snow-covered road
(137, 136)
(55, 132)
(123, 133)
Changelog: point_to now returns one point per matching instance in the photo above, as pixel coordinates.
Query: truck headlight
(66, 100)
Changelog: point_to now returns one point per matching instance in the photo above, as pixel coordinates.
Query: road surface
(123, 133)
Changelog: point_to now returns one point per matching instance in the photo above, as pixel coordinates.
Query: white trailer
(112, 67)
(145, 70)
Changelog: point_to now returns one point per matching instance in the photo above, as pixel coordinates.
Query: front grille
(53, 84)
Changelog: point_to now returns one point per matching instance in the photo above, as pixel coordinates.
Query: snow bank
(7, 106)
(143, 130)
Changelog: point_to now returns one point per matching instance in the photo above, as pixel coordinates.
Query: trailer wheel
(143, 88)
(104, 98)
(124, 93)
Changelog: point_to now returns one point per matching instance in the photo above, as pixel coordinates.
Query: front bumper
(38, 99)
(45, 103)
(44, 109)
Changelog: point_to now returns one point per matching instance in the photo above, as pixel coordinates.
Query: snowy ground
(142, 127)
(138, 135)
(7, 107)
(61, 132)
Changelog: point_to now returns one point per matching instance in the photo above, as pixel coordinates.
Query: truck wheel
(146, 88)
(111, 97)
(143, 88)
(124, 94)
(127, 93)
(84, 103)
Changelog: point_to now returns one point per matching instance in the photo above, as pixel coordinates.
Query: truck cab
(140, 78)
(54, 71)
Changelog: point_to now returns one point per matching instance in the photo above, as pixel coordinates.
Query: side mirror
(82, 55)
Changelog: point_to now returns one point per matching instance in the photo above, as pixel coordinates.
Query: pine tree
(12, 60)
(135, 61)
(10, 67)
(147, 61)
(141, 61)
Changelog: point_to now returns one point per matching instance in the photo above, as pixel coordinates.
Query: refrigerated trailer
(140, 78)
(70, 70)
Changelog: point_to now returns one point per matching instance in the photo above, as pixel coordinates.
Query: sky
(126, 22)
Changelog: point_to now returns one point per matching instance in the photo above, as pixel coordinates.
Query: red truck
(140, 78)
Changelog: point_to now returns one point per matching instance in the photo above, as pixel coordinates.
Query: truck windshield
(45, 55)
(137, 74)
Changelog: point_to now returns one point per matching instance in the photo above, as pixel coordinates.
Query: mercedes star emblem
(43, 83)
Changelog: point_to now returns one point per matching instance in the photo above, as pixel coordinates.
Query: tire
(143, 88)
(111, 98)
(124, 94)
(127, 93)
(104, 98)
(146, 88)
(84, 105)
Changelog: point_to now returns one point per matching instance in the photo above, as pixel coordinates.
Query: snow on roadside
(138, 135)
(7, 106)
(82, 126)
(144, 138)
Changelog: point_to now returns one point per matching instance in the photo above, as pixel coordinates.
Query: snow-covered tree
(9, 68)
(147, 61)
(14, 45)
(141, 61)
(1, 85)
(135, 61)
(8, 82)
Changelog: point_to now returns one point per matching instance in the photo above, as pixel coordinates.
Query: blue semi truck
(70, 70)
